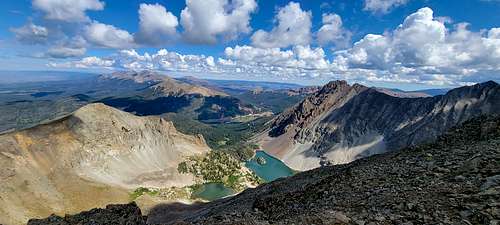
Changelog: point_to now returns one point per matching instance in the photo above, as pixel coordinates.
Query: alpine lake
(262, 164)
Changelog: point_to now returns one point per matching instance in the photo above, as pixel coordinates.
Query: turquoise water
(271, 170)
(212, 191)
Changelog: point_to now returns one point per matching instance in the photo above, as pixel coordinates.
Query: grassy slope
(229, 137)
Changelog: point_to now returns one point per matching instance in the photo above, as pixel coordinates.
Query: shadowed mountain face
(341, 123)
(451, 181)
(166, 95)
(93, 157)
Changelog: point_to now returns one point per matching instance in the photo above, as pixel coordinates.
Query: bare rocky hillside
(91, 158)
(341, 123)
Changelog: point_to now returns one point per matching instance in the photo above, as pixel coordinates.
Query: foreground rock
(128, 214)
(341, 123)
(454, 180)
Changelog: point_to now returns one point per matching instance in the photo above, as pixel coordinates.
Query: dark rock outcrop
(125, 214)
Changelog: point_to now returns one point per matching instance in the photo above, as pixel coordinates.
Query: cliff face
(93, 157)
(341, 123)
(333, 95)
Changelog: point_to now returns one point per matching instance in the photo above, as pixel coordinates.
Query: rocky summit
(454, 180)
(342, 122)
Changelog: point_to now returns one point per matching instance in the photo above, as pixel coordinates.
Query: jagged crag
(454, 180)
(341, 122)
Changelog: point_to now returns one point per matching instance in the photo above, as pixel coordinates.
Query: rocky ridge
(162, 85)
(341, 123)
(332, 95)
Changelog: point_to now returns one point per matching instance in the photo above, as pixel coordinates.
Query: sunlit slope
(90, 158)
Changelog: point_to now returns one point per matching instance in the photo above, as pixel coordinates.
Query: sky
(408, 44)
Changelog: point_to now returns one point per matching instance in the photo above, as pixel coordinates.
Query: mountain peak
(163, 85)
(336, 83)
(478, 89)
(94, 107)
(341, 123)
(489, 83)
(332, 95)
(172, 87)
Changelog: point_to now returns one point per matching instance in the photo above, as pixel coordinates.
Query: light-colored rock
(91, 158)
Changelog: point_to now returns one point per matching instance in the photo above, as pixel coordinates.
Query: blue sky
(397, 43)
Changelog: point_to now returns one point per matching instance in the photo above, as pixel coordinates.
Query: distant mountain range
(341, 123)
(413, 94)
(28, 98)
(238, 86)
(166, 95)
(26, 104)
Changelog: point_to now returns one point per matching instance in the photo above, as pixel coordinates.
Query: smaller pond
(212, 191)
(269, 168)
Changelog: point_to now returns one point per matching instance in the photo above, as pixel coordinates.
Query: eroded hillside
(91, 158)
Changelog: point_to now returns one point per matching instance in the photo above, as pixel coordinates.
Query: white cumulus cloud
(204, 21)
(31, 34)
(383, 6)
(299, 57)
(423, 50)
(67, 10)
(156, 25)
(108, 36)
(332, 31)
(293, 27)
(84, 63)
